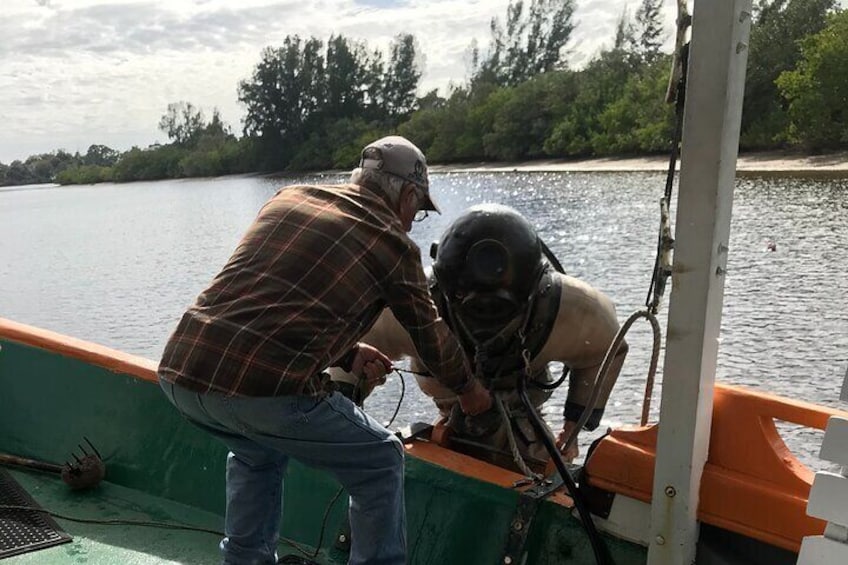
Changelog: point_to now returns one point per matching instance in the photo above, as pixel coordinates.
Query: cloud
(77, 72)
(137, 29)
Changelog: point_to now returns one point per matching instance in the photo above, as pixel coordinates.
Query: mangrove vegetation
(311, 103)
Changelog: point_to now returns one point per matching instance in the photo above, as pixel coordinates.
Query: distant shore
(772, 162)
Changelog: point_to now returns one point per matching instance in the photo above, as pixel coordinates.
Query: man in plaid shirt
(246, 361)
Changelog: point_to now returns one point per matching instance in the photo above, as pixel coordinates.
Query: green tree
(182, 123)
(374, 86)
(282, 98)
(213, 134)
(299, 98)
(448, 133)
(42, 168)
(84, 174)
(817, 90)
(531, 42)
(100, 156)
(639, 120)
(600, 84)
(625, 33)
(153, 163)
(423, 126)
(18, 174)
(345, 73)
(431, 100)
(524, 116)
(778, 28)
(402, 76)
(649, 29)
(336, 145)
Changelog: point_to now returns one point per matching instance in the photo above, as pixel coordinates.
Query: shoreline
(768, 162)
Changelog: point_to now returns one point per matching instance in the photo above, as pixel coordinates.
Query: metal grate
(22, 531)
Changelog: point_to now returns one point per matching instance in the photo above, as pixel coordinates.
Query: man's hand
(371, 366)
(572, 452)
(476, 399)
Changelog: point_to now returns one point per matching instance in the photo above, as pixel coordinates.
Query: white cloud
(78, 72)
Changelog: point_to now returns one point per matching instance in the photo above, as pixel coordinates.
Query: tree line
(312, 104)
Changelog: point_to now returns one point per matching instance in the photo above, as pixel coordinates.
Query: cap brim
(430, 205)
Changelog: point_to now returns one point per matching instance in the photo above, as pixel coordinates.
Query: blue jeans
(329, 433)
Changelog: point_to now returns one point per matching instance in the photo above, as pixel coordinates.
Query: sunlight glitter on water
(118, 264)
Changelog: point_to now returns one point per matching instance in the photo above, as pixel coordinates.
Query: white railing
(829, 501)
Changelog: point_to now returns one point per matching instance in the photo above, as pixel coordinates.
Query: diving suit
(499, 289)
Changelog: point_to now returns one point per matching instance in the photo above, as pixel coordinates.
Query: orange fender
(752, 484)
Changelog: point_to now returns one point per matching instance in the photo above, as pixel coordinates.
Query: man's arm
(391, 337)
(437, 347)
(408, 296)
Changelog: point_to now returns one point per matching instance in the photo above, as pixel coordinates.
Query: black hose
(599, 548)
(551, 257)
(553, 385)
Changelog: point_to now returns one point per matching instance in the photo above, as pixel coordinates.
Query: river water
(118, 264)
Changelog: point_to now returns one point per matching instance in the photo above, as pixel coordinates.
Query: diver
(503, 294)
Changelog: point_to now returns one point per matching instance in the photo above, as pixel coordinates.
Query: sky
(79, 72)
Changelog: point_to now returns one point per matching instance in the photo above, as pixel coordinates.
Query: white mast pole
(715, 86)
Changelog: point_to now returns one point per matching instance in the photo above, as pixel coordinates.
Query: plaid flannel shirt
(306, 282)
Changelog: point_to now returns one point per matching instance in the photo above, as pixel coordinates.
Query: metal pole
(715, 86)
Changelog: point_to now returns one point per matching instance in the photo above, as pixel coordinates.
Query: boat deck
(100, 544)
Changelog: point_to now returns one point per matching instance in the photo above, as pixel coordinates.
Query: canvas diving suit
(502, 297)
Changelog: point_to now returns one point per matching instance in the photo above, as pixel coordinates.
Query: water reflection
(117, 264)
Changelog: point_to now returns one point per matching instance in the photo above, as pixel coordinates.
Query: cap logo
(418, 174)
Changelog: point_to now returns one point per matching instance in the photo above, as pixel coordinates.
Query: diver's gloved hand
(476, 399)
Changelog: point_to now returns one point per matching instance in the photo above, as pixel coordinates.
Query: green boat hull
(160, 468)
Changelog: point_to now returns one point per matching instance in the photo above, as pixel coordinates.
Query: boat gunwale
(86, 351)
(145, 369)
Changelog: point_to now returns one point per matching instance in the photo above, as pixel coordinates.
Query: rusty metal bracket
(522, 519)
(414, 431)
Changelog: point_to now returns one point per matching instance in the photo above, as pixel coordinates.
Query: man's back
(245, 363)
(306, 280)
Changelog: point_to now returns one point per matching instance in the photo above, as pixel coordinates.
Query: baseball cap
(398, 156)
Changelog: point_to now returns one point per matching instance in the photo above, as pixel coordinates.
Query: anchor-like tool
(86, 470)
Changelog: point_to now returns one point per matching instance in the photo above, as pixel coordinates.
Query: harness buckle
(525, 355)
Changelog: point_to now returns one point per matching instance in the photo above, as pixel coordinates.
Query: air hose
(599, 548)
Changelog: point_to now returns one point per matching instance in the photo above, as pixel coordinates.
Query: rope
(599, 549)
(655, 355)
(113, 522)
(513, 445)
(665, 242)
(411, 372)
(136, 523)
(603, 372)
